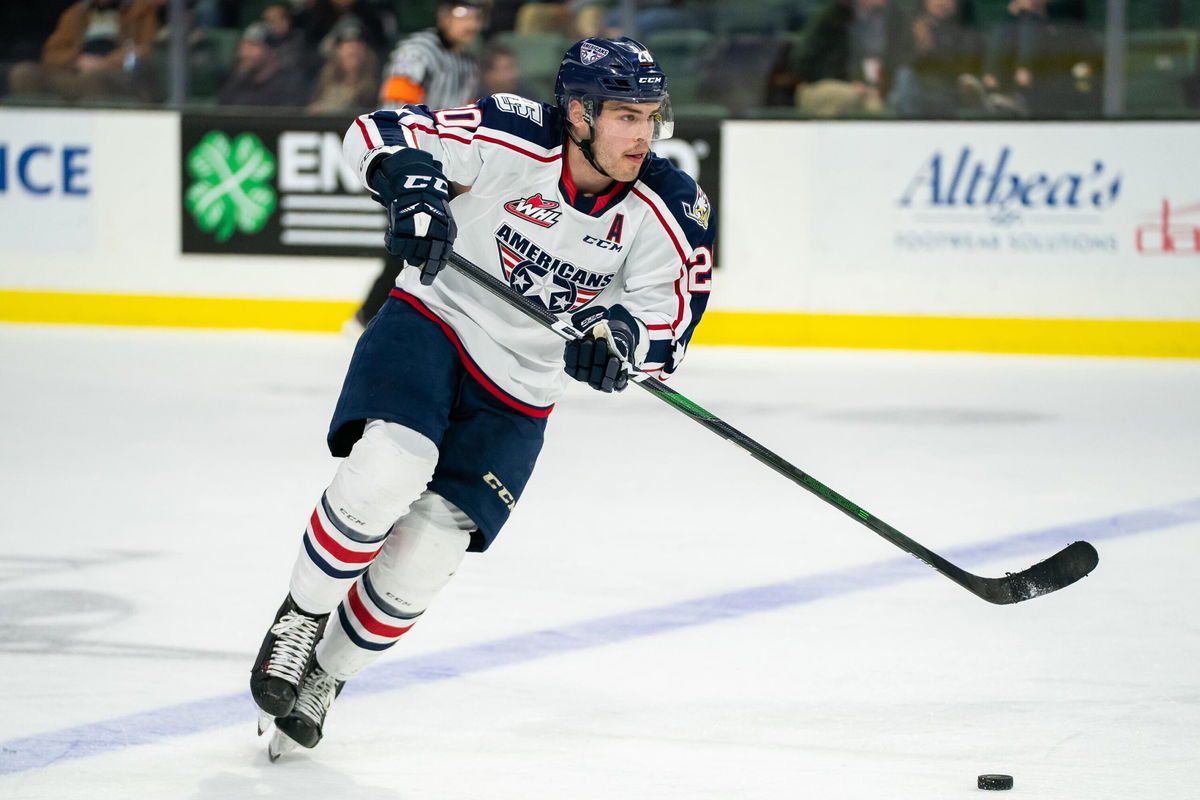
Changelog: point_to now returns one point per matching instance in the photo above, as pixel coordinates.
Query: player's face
(622, 140)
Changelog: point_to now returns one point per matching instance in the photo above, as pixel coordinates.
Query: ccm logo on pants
(505, 495)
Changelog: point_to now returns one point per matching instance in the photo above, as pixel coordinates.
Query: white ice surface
(154, 485)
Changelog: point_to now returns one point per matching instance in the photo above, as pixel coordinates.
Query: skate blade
(265, 721)
(280, 743)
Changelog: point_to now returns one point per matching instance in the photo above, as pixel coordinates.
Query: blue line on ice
(148, 727)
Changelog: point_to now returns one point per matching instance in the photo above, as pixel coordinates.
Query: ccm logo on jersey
(603, 244)
(426, 182)
(536, 209)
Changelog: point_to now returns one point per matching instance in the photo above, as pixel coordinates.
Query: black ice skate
(283, 660)
(305, 724)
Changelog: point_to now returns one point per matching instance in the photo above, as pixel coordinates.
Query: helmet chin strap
(585, 145)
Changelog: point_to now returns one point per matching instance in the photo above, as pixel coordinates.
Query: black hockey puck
(995, 782)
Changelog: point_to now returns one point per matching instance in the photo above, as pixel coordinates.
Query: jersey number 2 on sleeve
(700, 270)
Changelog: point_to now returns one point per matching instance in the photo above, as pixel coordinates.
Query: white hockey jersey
(646, 245)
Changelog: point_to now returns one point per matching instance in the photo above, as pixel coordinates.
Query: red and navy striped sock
(364, 626)
(332, 555)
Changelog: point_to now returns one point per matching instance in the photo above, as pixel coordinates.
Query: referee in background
(431, 68)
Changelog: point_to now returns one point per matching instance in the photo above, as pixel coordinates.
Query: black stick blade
(1059, 570)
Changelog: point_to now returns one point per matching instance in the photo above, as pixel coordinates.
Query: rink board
(1023, 238)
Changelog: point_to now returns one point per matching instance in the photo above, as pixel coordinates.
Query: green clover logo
(231, 190)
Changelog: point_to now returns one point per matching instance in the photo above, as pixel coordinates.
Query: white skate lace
(316, 696)
(297, 635)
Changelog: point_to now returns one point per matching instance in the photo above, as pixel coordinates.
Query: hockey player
(444, 405)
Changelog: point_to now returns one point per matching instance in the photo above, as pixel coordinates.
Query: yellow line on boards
(1152, 338)
(175, 312)
(1146, 338)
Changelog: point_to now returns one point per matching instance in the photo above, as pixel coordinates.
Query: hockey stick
(1059, 570)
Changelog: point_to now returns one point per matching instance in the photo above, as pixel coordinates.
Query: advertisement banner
(277, 185)
(47, 161)
(1027, 219)
(272, 185)
(1109, 197)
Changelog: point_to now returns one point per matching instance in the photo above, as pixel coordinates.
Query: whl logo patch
(231, 191)
(535, 209)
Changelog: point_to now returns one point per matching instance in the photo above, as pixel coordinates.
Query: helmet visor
(662, 118)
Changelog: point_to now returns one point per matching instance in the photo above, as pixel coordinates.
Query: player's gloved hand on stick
(602, 356)
(421, 229)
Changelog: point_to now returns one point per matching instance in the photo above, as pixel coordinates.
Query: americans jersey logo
(536, 209)
(591, 53)
(557, 285)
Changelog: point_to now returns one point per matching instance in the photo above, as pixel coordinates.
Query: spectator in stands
(500, 16)
(589, 17)
(350, 78)
(285, 37)
(322, 16)
(432, 66)
(96, 51)
(499, 73)
(850, 57)
(215, 13)
(1043, 67)
(947, 59)
(258, 79)
(654, 16)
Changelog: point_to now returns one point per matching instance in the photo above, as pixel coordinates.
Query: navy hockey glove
(420, 227)
(601, 358)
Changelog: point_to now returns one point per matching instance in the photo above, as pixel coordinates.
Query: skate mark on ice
(18, 567)
(64, 622)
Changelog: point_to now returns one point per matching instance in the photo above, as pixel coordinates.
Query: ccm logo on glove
(426, 182)
(421, 229)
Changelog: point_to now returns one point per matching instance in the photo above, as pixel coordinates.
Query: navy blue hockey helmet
(594, 70)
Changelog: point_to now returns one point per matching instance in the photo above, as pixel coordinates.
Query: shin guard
(386, 471)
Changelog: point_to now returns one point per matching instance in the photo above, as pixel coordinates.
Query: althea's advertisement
(985, 218)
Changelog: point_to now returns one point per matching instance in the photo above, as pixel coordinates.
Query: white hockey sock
(374, 486)
(419, 558)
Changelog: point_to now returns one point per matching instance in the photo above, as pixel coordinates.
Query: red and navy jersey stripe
(474, 369)
(679, 193)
